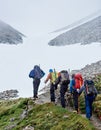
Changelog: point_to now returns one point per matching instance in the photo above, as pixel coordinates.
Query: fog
(36, 19)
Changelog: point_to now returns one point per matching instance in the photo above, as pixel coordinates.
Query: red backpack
(78, 81)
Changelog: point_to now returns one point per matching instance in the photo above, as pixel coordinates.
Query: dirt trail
(96, 122)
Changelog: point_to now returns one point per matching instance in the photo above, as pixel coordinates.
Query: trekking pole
(55, 73)
(78, 104)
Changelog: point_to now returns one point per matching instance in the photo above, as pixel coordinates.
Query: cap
(50, 70)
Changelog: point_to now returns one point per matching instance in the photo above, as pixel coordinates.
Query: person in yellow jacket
(52, 76)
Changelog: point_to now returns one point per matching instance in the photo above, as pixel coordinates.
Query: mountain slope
(90, 70)
(24, 114)
(9, 34)
(86, 33)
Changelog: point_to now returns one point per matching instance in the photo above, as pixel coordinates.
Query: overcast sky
(42, 16)
(36, 19)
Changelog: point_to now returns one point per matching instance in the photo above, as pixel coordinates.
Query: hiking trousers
(88, 102)
(63, 90)
(75, 100)
(52, 92)
(36, 83)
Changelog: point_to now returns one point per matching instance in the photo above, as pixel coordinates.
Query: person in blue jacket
(89, 97)
(36, 74)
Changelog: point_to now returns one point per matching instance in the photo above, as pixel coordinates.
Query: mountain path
(44, 98)
(94, 120)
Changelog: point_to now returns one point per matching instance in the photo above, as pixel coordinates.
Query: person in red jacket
(75, 85)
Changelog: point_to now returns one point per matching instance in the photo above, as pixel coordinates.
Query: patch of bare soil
(96, 122)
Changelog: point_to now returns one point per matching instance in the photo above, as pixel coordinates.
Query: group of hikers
(74, 83)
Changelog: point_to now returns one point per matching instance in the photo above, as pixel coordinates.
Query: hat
(50, 70)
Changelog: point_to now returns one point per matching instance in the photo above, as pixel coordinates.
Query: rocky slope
(90, 70)
(27, 114)
(86, 33)
(9, 35)
(8, 94)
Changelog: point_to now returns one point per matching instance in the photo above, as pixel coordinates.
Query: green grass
(41, 117)
(97, 81)
(46, 116)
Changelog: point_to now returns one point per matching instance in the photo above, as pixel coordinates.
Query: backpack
(54, 76)
(31, 74)
(42, 73)
(78, 81)
(36, 72)
(90, 89)
(64, 77)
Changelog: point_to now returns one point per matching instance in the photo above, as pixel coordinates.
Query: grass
(40, 117)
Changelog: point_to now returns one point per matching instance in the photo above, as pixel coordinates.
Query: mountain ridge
(9, 35)
(86, 33)
(90, 70)
(79, 22)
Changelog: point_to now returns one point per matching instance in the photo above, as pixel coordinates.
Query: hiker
(52, 76)
(64, 81)
(75, 84)
(36, 73)
(90, 93)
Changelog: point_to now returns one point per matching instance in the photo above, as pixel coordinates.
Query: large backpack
(36, 72)
(78, 81)
(90, 89)
(31, 74)
(54, 76)
(64, 77)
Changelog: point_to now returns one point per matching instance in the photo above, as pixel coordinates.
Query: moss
(97, 81)
(97, 106)
(41, 117)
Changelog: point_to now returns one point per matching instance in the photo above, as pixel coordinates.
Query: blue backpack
(42, 73)
(31, 74)
(36, 73)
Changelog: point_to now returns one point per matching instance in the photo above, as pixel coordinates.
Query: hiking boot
(53, 102)
(91, 119)
(36, 96)
(78, 112)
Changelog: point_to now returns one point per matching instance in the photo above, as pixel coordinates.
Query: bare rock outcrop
(90, 70)
(9, 35)
(87, 33)
(8, 94)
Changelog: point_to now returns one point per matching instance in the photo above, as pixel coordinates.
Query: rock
(8, 94)
(86, 33)
(28, 128)
(9, 35)
(90, 70)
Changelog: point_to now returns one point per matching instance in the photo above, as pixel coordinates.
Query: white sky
(40, 16)
(36, 19)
